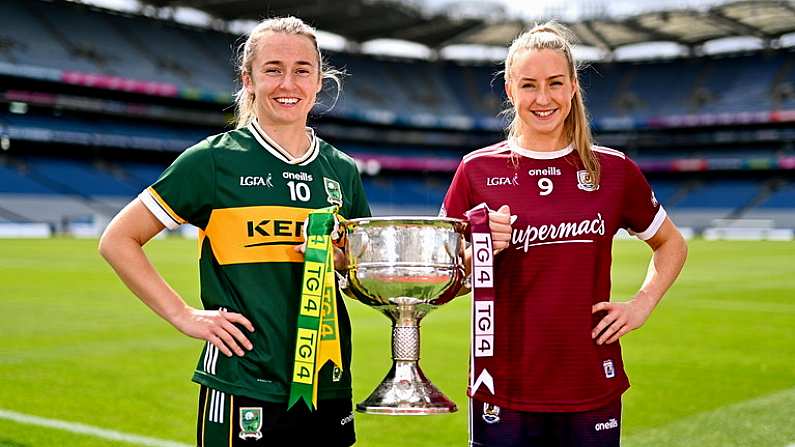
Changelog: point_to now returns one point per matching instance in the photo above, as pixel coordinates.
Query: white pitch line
(76, 427)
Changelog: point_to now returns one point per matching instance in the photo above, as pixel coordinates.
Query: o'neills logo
(498, 181)
(612, 423)
(557, 233)
(552, 170)
(300, 176)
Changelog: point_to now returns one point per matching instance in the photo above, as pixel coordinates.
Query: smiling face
(284, 78)
(541, 89)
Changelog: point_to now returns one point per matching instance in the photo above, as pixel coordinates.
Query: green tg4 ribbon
(317, 338)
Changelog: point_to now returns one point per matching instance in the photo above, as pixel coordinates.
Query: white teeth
(287, 100)
(544, 114)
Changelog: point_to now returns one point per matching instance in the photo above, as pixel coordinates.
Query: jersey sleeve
(641, 214)
(457, 200)
(185, 191)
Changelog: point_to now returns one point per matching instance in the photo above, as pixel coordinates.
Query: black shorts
(492, 426)
(238, 421)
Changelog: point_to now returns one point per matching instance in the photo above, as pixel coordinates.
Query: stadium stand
(122, 94)
(90, 41)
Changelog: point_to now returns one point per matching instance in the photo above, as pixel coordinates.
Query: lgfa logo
(499, 181)
(256, 180)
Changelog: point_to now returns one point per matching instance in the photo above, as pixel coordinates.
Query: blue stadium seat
(426, 192)
(664, 190)
(80, 177)
(140, 175)
(15, 181)
(721, 194)
(784, 197)
(98, 132)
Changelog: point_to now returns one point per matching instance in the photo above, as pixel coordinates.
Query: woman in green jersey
(249, 191)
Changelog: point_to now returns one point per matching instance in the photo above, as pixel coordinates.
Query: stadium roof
(363, 20)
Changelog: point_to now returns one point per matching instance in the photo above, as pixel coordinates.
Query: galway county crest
(333, 191)
(250, 422)
(585, 181)
(491, 413)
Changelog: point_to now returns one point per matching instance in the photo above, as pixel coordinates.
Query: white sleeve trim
(151, 204)
(655, 225)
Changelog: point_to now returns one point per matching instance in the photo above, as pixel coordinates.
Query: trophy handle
(454, 249)
(358, 245)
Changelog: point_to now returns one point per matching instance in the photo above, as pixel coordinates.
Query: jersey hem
(226, 387)
(550, 407)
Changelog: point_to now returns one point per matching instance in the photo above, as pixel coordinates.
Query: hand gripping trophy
(405, 267)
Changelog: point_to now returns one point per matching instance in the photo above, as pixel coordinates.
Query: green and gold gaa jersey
(249, 198)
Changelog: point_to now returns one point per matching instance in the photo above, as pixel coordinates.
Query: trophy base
(406, 391)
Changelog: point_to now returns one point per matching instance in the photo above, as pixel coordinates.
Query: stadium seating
(14, 181)
(405, 196)
(666, 191)
(777, 207)
(783, 197)
(741, 84)
(55, 191)
(100, 132)
(66, 36)
(79, 178)
(728, 194)
(29, 40)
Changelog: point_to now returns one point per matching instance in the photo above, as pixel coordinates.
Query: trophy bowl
(404, 267)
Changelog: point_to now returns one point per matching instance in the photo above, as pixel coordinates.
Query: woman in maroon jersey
(554, 374)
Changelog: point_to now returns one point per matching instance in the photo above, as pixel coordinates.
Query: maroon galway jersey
(556, 268)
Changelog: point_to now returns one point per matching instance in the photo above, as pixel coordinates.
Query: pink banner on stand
(119, 83)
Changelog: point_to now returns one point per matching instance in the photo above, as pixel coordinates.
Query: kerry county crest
(250, 422)
(333, 191)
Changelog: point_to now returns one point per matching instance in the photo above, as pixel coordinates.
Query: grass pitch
(714, 366)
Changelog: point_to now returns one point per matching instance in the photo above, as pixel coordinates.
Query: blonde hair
(576, 128)
(245, 111)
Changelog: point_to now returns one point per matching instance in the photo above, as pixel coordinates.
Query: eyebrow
(525, 78)
(276, 62)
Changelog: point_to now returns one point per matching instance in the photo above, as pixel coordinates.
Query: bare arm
(122, 246)
(670, 252)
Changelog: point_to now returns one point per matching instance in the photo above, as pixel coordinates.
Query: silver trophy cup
(405, 267)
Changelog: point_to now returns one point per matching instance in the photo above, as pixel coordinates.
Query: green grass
(714, 366)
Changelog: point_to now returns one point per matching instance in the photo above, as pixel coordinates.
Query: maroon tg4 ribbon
(483, 294)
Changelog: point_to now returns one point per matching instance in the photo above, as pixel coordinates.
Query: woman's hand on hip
(619, 319)
(217, 327)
